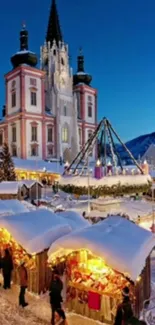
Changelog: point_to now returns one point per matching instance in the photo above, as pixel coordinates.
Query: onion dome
(24, 56)
(81, 76)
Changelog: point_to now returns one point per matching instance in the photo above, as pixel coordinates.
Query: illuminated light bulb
(98, 163)
(138, 279)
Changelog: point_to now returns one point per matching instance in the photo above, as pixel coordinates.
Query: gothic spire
(54, 29)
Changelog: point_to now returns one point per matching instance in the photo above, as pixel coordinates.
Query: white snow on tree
(7, 169)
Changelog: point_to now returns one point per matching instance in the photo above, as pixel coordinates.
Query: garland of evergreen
(114, 190)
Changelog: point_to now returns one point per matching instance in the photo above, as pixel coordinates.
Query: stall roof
(38, 165)
(75, 219)
(36, 230)
(29, 183)
(7, 187)
(122, 244)
(12, 207)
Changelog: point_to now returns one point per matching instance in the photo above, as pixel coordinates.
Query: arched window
(54, 52)
(90, 106)
(65, 110)
(13, 85)
(62, 61)
(65, 133)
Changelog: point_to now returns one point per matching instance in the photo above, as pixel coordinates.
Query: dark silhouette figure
(56, 298)
(23, 284)
(124, 311)
(7, 267)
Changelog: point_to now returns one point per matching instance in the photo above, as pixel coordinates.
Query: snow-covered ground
(37, 313)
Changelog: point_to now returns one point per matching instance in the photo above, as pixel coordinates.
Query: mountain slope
(138, 146)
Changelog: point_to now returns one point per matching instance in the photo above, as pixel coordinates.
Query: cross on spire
(54, 29)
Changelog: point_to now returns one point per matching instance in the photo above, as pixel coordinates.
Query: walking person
(124, 311)
(56, 288)
(7, 268)
(23, 284)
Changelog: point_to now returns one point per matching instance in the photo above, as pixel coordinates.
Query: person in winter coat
(56, 299)
(7, 268)
(124, 311)
(23, 276)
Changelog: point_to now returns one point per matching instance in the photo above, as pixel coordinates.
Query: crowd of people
(55, 290)
(124, 313)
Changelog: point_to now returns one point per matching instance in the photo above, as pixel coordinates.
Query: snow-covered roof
(109, 181)
(124, 206)
(38, 165)
(29, 183)
(75, 219)
(9, 187)
(38, 229)
(122, 244)
(12, 207)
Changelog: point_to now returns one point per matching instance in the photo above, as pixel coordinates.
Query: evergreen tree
(7, 166)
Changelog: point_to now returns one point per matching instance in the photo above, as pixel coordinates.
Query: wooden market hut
(29, 235)
(100, 261)
(34, 189)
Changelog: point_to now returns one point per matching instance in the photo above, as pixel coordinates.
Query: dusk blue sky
(118, 40)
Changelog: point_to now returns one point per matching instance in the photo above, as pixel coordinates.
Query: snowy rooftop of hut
(122, 244)
(8, 207)
(102, 207)
(9, 187)
(38, 165)
(37, 230)
(29, 183)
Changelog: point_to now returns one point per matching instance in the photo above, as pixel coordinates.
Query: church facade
(49, 112)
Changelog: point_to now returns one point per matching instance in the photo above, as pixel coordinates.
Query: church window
(13, 99)
(34, 151)
(89, 110)
(14, 151)
(65, 134)
(14, 135)
(91, 152)
(54, 52)
(89, 134)
(34, 134)
(33, 98)
(78, 106)
(33, 82)
(13, 85)
(65, 110)
(62, 61)
(1, 138)
(80, 135)
(90, 105)
(49, 151)
(49, 134)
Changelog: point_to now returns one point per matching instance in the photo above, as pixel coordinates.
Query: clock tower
(59, 98)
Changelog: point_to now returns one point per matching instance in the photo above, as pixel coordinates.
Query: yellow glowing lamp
(138, 279)
(98, 163)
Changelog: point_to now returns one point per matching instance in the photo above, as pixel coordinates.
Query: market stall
(28, 236)
(100, 261)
